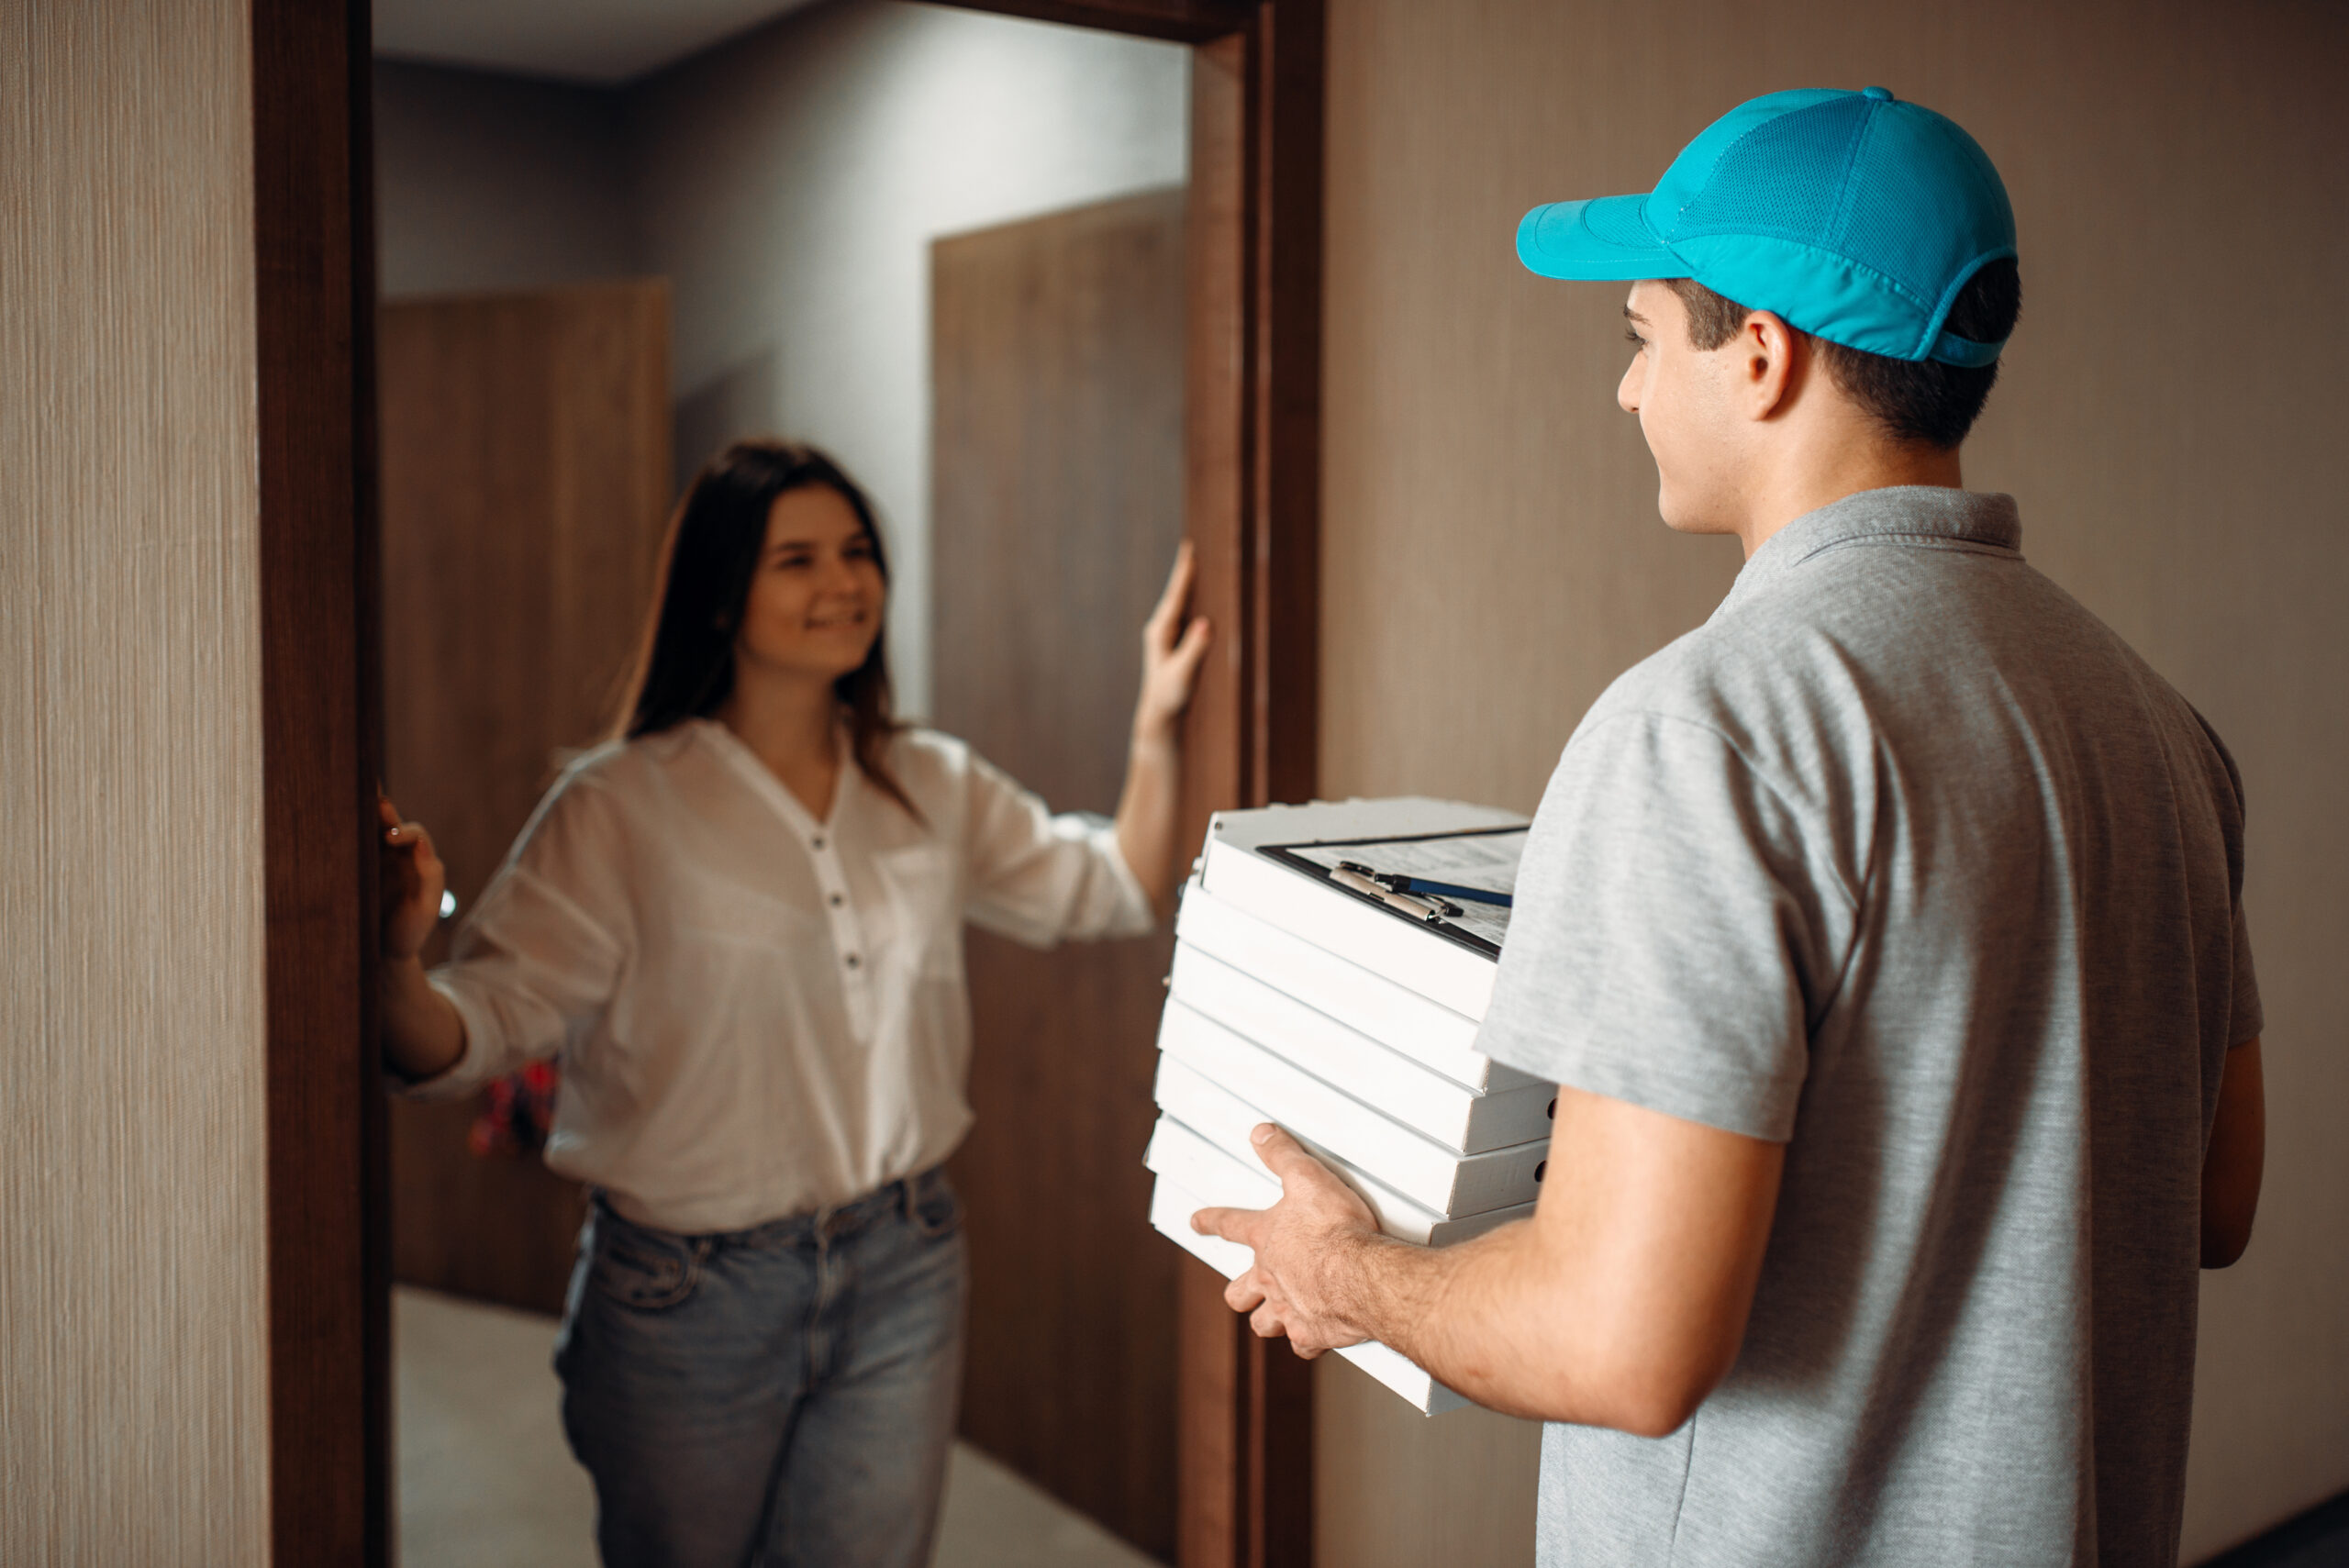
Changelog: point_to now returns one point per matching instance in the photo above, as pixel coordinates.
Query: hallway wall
(2170, 422)
(487, 181)
(133, 1363)
(789, 183)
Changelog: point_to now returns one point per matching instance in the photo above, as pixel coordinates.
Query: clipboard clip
(1396, 893)
(1437, 897)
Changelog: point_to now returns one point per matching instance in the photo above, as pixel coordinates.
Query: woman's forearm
(423, 1035)
(1146, 824)
(1170, 651)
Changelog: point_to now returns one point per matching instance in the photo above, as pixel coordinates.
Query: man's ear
(1765, 347)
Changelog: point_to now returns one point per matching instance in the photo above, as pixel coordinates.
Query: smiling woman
(739, 923)
(776, 561)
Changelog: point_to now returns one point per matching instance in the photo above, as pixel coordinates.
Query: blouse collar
(753, 772)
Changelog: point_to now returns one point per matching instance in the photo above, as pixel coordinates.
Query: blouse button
(819, 841)
(851, 961)
(838, 901)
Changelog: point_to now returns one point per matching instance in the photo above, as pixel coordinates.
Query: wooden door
(524, 479)
(1057, 478)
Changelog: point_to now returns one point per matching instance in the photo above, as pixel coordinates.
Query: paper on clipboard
(1485, 859)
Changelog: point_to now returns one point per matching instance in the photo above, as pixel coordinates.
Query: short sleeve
(2246, 1018)
(1040, 878)
(537, 957)
(1672, 939)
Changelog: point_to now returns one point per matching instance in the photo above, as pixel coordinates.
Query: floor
(486, 1481)
(2317, 1538)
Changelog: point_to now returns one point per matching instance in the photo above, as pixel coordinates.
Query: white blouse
(758, 1014)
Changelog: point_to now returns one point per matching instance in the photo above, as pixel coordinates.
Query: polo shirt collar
(1911, 513)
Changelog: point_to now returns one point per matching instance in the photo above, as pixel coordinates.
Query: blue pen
(1448, 890)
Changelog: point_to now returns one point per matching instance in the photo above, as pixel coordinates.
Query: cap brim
(1602, 240)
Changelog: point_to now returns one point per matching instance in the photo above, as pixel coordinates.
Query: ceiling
(578, 40)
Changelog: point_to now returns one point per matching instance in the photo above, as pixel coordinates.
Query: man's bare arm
(1622, 1303)
(2235, 1160)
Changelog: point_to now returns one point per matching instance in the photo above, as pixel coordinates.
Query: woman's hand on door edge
(412, 882)
(1172, 650)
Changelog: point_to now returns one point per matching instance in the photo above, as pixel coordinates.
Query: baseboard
(2316, 1538)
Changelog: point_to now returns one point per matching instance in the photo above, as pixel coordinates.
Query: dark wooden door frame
(1252, 434)
(328, 1287)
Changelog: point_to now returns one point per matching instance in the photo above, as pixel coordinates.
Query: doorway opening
(948, 248)
(1253, 222)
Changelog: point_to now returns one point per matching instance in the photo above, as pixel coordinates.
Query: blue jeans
(778, 1397)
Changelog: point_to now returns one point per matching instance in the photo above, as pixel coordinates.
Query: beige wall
(133, 1394)
(2171, 423)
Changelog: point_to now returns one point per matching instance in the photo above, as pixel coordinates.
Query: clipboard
(1485, 857)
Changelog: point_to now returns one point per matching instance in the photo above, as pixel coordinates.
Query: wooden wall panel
(525, 473)
(1058, 483)
(134, 1360)
(2176, 475)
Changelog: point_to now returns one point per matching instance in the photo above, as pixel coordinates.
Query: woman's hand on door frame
(1172, 650)
(423, 1034)
(413, 881)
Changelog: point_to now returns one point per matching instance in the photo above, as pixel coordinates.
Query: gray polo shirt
(1907, 860)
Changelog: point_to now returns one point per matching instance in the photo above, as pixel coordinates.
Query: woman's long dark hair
(685, 666)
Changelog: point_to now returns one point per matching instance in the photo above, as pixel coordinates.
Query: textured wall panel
(133, 1394)
(2169, 422)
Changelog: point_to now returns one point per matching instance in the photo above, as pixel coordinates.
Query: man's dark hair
(1915, 400)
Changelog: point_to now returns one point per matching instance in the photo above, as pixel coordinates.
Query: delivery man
(1884, 933)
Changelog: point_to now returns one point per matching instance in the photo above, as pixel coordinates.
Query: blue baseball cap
(1852, 215)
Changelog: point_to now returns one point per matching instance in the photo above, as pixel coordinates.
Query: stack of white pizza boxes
(1299, 1000)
